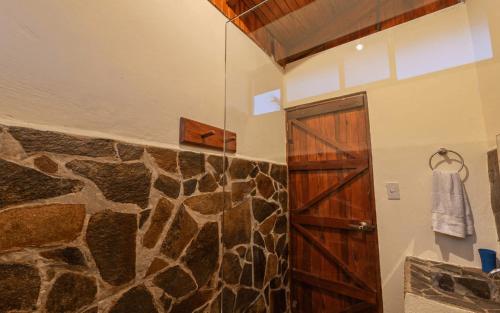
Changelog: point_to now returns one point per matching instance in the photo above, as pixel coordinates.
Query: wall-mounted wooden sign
(202, 135)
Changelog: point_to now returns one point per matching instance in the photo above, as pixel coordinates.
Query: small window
(267, 102)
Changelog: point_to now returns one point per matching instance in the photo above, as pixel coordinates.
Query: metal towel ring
(444, 151)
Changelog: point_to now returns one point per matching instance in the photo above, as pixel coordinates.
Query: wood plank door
(334, 247)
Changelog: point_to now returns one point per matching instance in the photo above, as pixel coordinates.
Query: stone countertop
(467, 288)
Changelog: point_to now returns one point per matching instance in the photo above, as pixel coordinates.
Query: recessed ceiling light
(360, 46)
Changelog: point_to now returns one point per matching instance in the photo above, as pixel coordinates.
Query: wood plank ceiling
(289, 30)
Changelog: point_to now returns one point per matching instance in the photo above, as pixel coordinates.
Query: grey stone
(70, 293)
(111, 238)
(19, 287)
(175, 282)
(191, 164)
(129, 152)
(119, 182)
(19, 184)
(169, 186)
(136, 300)
(203, 254)
(45, 141)
(181, 232)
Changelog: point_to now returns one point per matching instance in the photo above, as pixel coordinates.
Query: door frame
(331, 105)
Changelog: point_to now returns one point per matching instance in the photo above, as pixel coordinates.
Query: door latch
(363, 226)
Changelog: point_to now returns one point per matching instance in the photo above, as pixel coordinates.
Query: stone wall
(93, 225)
(494, 175)
(466, 288)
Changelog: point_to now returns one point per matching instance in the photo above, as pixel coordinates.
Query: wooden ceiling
(289, 30)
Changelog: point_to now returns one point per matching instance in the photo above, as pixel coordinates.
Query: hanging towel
(451, 212)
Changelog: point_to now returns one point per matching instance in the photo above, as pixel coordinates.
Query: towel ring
(444, 151)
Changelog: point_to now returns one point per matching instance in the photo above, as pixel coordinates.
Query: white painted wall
(120, 69)
(423, 82)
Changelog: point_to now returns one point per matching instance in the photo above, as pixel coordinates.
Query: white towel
(451, 212)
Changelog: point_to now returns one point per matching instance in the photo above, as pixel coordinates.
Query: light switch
(393, 191)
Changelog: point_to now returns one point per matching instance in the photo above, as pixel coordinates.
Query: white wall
(423, 86)
(120, 69)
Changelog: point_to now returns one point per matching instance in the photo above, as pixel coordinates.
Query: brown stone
(175, 282)
(258, 240)
(244, 299)
(68, 255)
(494, 175)
(259, 267)
(217, 163)
(40, 225)
(279, 173)
(237, 225)
(246, 275)
(240, 169)
(231, 268)
(156, 266)
(111, 239)
(264, 167)
(208, 204)
(129, 152)
(119, 182)
(19, 184)
(70, 293)
(136, 300)
(283, 200)
(203, 254)
(224, 303)
(281, 245)
(268, 225)
(271, 268)
(269, 243)
(263, 209)
(144, 217)
(92, 310)
(241, 251)
(193, 302)
(189, 186)
(45, 164)
(179, 235)
(241, 190)
(166, 159)
(258, 306)
(191, 164)
(281, 225)
(278, 301)
(19, 287)
(45, 141)
(169, 186)
(265, 185)
(207, 183)
(162, 214)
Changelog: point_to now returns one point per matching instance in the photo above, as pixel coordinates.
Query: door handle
(363, 226)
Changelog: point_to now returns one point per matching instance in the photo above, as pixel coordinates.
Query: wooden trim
(330, 190)
(333, 286)
(329, 255)
(327, 165)
(202, 135)
(326, 222)
(331, 105)
(331, 142)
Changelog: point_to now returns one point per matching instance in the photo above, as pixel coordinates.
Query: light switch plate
(393, 191)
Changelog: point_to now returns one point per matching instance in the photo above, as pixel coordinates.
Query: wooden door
(334, 247)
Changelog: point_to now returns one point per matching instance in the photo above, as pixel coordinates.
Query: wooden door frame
(331, 105)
